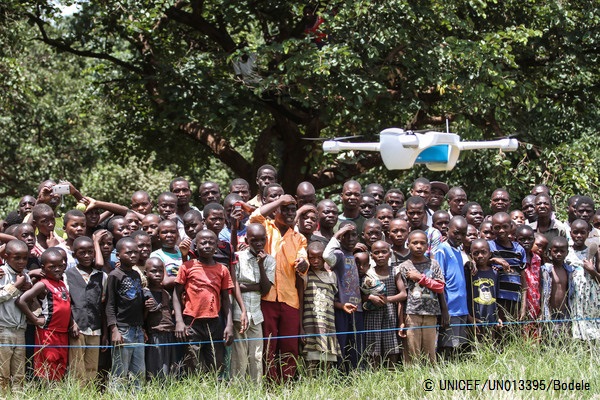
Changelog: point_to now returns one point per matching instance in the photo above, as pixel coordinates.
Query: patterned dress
(384, 318)
(318, 318)
(585, 297)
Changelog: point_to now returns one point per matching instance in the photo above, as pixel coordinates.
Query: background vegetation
(120, 94)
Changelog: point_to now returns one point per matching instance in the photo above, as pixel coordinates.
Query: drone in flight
(402, 149)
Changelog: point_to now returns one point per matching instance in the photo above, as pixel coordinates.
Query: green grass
(519, 360)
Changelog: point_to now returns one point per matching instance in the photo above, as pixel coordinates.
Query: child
(192, 224)
(385, 214)
(145, 246)
(42, 218)
(381, 342)
(103, 247)
(197, 311)
(150, 226)
(167, 205)
(557, 286)
(159, 322)
(53, 324)
(540, 247)
(424, 281)
(440, 221)
(510, 255)
(169, 253)
(12, 321)
(450, 259)
(26, 233)
(481, 290)
(74, 227)
(255, 274)
(348, 308)
(525, 236)
(87, 288)
(486, 231)
(585, 307)
(398, 234)
(517, 217)
(318, 311)
(125, 315)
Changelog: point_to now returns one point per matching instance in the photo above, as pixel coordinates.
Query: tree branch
(341, 172)
(220, 147)
(197, 22)
(61, 45)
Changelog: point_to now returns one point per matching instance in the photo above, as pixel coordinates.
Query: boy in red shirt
(202, 291)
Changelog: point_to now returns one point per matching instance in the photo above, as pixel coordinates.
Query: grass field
(541, 364)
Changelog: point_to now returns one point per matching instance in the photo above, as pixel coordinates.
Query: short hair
(344, 223)
(39, 209)
(178, 179)
(269, 186)
(13, 218)
(81, 240)
(194, 214)
(212, 207)
(373, 221)
(238, 182)
(372, 185)
(384, 206)
(316, 246)
(124, 241)
(111, 222)
(546, 195)
(573, 199)
(580, 221)
(417, 232)
(141, 192)
(351, 182)
(231, 198)
(166, 222)
(521, 229)
(585, 200)
(394, 190)
(439, 213)
(137, 233)
(251, 227)
(16, 245)
(421, 180)
(164, 195)
(49, 253)
(559, 241)
(469, 205)
(481, 241)
(72, 214)
(415, 200)
(206, 232)
(453, 191)
(266, 166)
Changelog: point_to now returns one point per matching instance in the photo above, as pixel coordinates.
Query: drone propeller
(332, 139)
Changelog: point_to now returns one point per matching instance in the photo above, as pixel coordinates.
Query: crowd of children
(248, 288)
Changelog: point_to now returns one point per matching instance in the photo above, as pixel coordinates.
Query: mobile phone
(237, 206)
(61, 189)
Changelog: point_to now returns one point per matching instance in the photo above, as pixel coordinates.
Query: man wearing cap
(436, 198)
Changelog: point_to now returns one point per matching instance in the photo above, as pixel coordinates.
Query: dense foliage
(155, 80)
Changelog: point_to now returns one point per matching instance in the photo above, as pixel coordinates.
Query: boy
(26, 233)
(525, 236)
(451, 261)
(160, 357)
(42, 218)
(398, 234)
(125, 315)
(12, 321)
(74, 227)
(348, 307)
(424, 281)
(281, 305)
(192, 224)
(145, 246)
(385, 214)
(255, 273)
(557, 286)
(367, 206)
(511, 256)
(440, 221)
(150, 226)
(518, 217)
(197, 314)
(169, 253)
(87, 288)
(372, 232)
(416, 212)
(167, 205)
(53, 324)
(481, 290)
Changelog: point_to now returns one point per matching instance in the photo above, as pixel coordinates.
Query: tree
(491, 69)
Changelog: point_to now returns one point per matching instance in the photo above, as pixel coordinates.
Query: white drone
(402, 149)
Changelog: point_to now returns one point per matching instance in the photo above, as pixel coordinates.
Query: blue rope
(479, 324)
